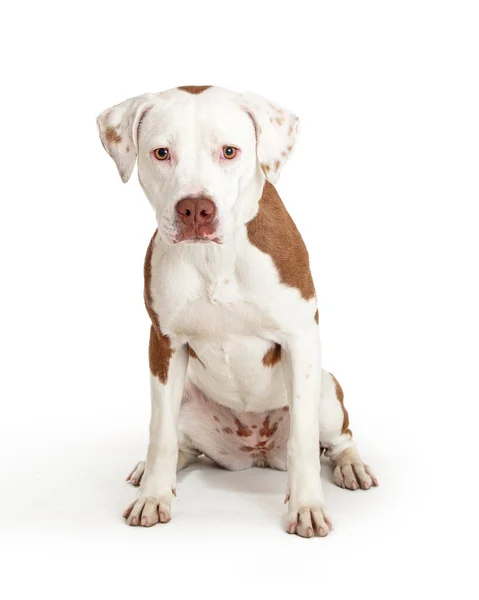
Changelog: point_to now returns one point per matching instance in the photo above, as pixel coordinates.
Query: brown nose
(196, 211)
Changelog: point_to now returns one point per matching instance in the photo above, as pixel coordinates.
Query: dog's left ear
(118, 129)
(276, 131)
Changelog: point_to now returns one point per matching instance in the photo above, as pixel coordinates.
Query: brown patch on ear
(160, 351)
(194, 89)
(112, 136)
(273, 232)
(273, 356)
(316, 316)
(340, 396)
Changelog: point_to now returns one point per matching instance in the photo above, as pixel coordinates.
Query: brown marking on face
(194, 89)
(242, 430)
(279, 120)
(127, 148)
(261, 444)
(273, 232)
(267, 430)
(277, 165)
(228, 430)
(216, 419)
(340, 396)
(272, 356)
(290, 131)
(285, 408)
(266, 168)
(316, 316)
(289, 148)
(254, 426)
(160, 351)
(112, 136)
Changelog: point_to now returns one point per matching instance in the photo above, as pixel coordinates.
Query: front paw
(147, 511)
(309, 521)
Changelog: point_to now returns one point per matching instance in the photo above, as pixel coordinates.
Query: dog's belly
(233, 372)
(233, 439)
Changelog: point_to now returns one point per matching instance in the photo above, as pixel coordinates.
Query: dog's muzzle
(196, 219)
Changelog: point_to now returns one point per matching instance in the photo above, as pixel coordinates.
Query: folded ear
(276, 130)
(118, 129)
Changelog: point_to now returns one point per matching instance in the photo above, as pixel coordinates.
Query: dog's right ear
(118, 129)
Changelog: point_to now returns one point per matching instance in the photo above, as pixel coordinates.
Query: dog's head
(203, 154)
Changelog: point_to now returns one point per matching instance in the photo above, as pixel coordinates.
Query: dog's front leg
(306, 513)
(159, 481)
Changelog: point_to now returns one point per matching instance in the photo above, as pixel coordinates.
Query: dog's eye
(162, 153)
(229, 152)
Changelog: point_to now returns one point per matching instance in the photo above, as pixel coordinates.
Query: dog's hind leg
(337, 439)
(185, 458)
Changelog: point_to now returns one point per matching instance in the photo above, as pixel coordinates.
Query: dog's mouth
(197, 239)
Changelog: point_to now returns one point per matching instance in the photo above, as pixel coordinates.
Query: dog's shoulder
(274, 232)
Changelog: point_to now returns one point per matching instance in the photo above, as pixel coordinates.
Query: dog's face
(200, 151)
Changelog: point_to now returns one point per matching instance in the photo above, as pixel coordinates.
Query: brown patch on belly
(273, 232)
(340, 396)
(267, 430)
(272, 356)
(194, 89)
(160, 351)
(242, 430)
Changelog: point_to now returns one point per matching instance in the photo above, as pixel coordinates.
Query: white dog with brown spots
(234, 352)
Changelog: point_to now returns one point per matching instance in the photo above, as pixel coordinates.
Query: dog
(234, 351)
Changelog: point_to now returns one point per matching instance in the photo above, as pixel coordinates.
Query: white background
(383, 186)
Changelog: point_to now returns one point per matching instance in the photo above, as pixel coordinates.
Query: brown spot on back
(194, 89)
(273, 232)
(340, 396)
(112, 136)
(316, 316)
(272, 356)
(160, 351)
(242, 430)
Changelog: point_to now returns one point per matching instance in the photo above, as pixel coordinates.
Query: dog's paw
(351, 473)
(309, 521)
(134, 478)
(147, 511)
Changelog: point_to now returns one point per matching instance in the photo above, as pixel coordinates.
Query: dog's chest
(211, 301)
